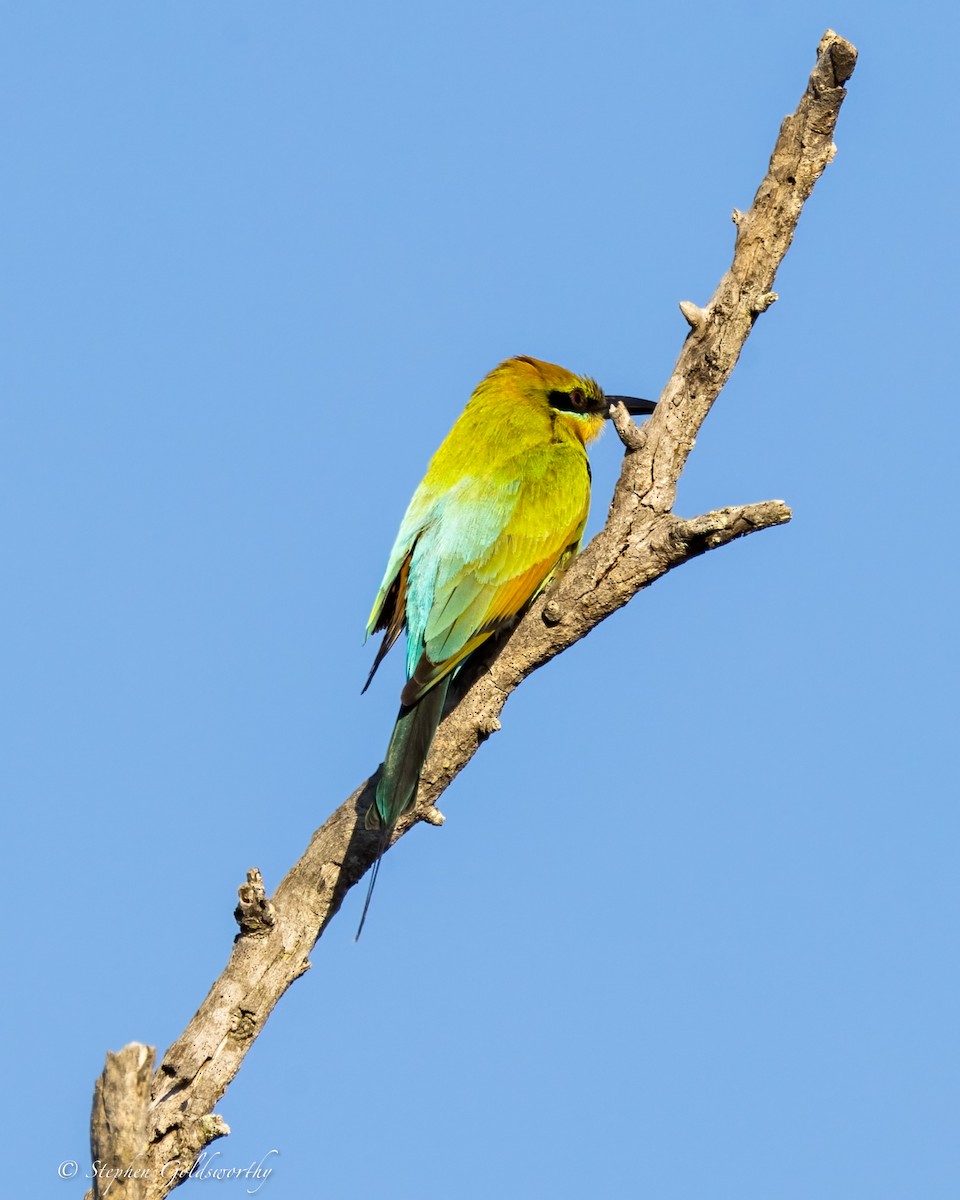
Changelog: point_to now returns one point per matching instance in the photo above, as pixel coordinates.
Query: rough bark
(642, 540)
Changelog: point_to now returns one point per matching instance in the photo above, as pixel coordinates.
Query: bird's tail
(406, 754)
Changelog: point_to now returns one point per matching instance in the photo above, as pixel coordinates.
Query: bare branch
(641, 541)
(803, 149)
(118, 1123)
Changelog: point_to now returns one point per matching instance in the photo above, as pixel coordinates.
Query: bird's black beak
(635, 407)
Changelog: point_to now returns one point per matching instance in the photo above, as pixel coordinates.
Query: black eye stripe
(575, 401)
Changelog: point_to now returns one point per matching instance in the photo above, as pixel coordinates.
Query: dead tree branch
(141, 1135)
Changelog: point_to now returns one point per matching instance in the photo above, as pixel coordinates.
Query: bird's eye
(577, 399)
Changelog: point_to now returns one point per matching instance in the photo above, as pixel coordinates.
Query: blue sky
(691, 927)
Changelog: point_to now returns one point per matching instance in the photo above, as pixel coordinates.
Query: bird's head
(578, 398)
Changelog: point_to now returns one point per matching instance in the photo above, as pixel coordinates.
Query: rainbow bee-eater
(500, 511)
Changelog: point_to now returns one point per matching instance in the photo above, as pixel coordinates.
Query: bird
(498, 515)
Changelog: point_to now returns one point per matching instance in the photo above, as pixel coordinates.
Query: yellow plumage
(500, 510)
(502, 506)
